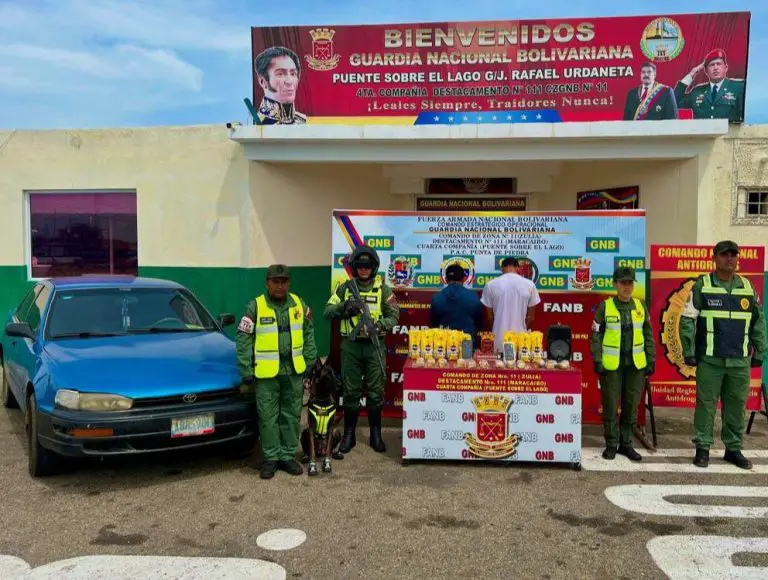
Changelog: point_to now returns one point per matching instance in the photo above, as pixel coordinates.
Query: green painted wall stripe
(13, 284)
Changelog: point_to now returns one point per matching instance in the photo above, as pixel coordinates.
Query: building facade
(211, 207)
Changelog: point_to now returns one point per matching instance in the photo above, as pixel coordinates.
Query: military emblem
(492, 439)
(466, 263)
(400, 272)
(662, 40)
(744, 304)
(582, 275)
(670, 332)
(322, 57)
(476, 184)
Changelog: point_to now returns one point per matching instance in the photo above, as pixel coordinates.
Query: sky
(125, 63)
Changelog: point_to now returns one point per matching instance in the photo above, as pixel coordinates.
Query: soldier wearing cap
(718, 98)
(624, 354)
(275, 345)
(722, 330)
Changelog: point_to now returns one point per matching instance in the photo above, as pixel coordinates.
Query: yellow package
(454, 344)
(440, 343)
(510, 346)
(537, 345)
(427, 343)
(524, 346)
(414, 343)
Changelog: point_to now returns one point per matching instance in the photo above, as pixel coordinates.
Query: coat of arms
(491, 439)
(582, 279)
(400, 272)
(322, 57)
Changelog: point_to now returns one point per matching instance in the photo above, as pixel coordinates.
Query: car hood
(144, 365)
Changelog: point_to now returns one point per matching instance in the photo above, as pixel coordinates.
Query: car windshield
(86, 313)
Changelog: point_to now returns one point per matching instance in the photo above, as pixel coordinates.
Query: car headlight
(92, 401)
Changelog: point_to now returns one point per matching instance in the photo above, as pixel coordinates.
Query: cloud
(104, 62)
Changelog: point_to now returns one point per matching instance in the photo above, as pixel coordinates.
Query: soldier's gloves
(249, 380)
(379, 327)
(650, 369)
(599, 369)
(691, 361)
(352, 308)
(755, 363)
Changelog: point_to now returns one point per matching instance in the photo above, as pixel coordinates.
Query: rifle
(366, 323)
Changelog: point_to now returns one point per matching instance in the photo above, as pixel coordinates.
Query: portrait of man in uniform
(651, 101)
(718, 98)
(278, 71)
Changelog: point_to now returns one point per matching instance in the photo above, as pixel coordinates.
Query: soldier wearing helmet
(358, 357)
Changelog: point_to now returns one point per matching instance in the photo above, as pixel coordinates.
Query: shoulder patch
(595, 326)
(246, 325)
(308, 313)
(392, 300)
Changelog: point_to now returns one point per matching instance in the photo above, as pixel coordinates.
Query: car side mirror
(226, 319)
(20, 330)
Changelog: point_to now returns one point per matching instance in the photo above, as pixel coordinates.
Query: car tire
(42, 462)
(6, 396)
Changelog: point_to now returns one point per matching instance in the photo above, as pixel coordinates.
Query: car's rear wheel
(41, 461)
(6, 396)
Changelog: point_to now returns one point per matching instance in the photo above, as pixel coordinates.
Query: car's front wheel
(6, 396)
(41, 461)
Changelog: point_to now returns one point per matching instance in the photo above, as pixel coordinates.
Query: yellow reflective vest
(372, 296)
(266, 344)
(612, 336)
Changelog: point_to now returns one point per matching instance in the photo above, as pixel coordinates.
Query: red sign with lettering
(553, 70)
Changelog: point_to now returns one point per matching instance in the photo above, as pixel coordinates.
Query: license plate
(191, 426)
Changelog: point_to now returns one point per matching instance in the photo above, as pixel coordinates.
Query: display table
(491, 414)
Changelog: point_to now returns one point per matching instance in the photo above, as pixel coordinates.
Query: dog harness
(323, 417)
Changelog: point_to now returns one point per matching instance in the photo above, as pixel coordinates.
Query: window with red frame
(83, 233)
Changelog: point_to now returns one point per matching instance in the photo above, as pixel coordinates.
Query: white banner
(491, 426)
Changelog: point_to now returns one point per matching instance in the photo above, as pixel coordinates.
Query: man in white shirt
(510, 301)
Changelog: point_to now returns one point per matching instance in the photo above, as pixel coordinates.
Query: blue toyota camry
(119, 365)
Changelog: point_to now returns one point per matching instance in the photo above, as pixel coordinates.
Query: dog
(322, 436)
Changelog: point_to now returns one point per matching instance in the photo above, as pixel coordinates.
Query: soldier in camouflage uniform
(358, 357)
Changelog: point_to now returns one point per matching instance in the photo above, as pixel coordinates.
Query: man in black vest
(722, 330)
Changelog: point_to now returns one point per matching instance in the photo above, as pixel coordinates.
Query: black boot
(702, 458)
(374, 420)
(628, 452)
(350, 422)
(738, 459)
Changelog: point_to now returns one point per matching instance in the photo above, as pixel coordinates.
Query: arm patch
(246, 325)
(690, 310)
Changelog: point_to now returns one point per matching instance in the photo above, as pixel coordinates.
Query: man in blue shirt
(455, 306)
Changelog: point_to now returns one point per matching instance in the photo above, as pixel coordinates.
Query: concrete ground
(373, 517)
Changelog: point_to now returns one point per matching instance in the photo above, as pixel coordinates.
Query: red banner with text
(674, 270)
(511, 71)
